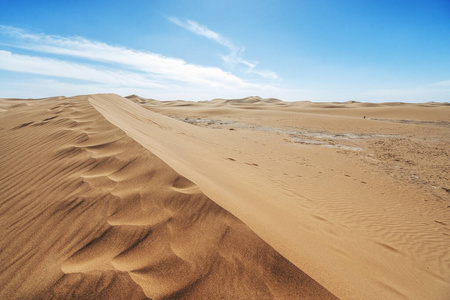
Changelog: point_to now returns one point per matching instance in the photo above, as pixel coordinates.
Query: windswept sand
(107, 197)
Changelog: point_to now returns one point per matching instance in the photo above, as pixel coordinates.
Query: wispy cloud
(443, 83)
(235, 55)
(53, 67)
(203, 31)
(100, 67)
(153, 65)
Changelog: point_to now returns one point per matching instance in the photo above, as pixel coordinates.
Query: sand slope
(87, 212)
(318, 187)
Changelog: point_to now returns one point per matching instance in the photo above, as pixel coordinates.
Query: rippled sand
(128, 198)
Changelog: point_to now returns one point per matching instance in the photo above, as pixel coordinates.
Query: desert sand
(105, 197)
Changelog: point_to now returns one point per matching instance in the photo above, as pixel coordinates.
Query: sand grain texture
(354, 202)
(87, 212)
(108, 197)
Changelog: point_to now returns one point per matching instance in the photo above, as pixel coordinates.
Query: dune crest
(362, 235)
(87, 212)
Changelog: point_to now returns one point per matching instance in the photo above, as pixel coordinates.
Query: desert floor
(108, 197)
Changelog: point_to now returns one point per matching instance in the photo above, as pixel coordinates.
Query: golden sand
(126, 198)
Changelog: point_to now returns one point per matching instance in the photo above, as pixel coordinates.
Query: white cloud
(154, 65)
(236, 53)
(203, 31)
(53, 67)
(266, 73)
(113, 69)
(44, 87)
(444, 83)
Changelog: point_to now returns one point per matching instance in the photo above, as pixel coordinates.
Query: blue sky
(373, 51)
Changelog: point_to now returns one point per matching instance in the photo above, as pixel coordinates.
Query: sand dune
(87, 212)
(314, 205)
(108, 197)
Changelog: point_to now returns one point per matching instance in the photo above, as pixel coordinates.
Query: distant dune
(247, 100)
(105, 197)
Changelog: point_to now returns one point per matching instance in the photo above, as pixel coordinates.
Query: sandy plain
(130, 198)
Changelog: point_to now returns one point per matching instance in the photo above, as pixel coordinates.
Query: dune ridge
(342, 244)
(87, 212)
